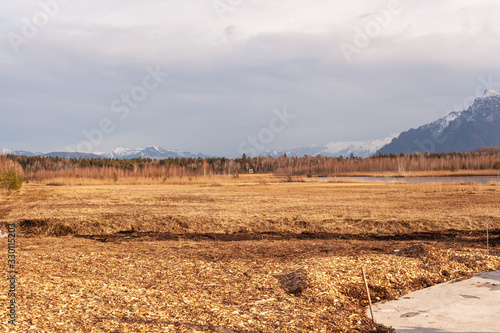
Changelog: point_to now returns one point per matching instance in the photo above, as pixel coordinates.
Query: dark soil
(449, 237)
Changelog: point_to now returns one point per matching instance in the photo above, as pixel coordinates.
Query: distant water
(416, 180)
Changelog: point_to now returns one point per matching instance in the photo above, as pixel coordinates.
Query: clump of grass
(60, 229)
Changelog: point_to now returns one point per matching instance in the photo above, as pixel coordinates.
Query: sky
(223, 76)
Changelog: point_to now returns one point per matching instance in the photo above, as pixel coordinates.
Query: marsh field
(251, 253)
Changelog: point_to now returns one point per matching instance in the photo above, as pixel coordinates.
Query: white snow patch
(492, 93)
(344, 148)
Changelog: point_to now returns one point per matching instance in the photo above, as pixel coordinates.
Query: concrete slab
(471, 305)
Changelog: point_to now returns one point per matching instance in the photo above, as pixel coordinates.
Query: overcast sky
(91, 75)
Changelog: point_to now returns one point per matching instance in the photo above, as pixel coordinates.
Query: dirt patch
(293, 283)
(416, 251)
(413, 251)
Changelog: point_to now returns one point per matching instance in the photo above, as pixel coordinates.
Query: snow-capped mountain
(336, 149)
(5, 151)
(148, 152)
(467, 130)
(153, 152)
(437, 127)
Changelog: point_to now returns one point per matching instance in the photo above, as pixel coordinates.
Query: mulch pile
(70, 284)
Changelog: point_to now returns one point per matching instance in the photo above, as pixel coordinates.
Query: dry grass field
(227, 254)
(253, 204)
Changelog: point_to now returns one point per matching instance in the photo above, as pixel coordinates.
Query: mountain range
(459, 131)
(119, 153)
(335, 149)
(338, 148)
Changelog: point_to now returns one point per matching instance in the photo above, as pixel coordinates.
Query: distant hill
(335, 149)
(153, 152)
(71, 155)
(489, 149)
(6, 151)
(468, 130)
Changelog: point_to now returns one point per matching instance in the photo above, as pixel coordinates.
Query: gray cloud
(227, 76)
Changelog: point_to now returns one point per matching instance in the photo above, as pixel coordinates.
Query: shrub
(11, 175)
(496, 165)
(11, 180)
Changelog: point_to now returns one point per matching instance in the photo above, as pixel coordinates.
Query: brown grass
(180, 180)
(257, 204)
(434, 173)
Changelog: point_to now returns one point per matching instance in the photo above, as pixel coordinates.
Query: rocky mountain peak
(467, 130)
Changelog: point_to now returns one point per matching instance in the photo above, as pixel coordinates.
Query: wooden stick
(487, 240)
(368, 293)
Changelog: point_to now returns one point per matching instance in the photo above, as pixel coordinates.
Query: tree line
(39, 168)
